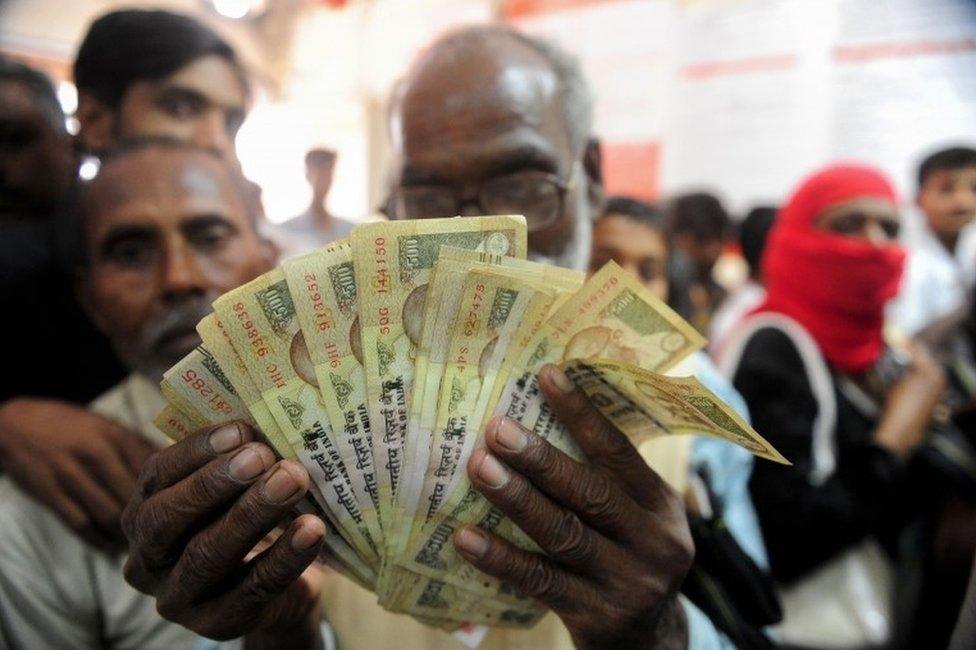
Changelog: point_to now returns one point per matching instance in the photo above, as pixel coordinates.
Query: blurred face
(480, 131)
(203, 103)
(873, 220)
(319, 176)
(166, 233)
(36, 159)
(948, 199)
(702, 252)
(638, 249)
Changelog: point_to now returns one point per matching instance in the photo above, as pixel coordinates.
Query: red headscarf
(835, 286)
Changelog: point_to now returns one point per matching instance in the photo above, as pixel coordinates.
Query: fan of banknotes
(377, 362)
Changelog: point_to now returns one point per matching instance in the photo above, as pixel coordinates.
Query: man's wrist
(671, 631)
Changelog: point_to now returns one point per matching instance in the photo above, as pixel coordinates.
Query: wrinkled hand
(202, 505)
(616, 537)
(81, 465)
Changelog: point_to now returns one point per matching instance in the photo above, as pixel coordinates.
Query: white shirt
(936, 281)
(57, 591)
(304, 233)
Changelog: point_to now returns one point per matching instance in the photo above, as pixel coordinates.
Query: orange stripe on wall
(632, 169)
(515, 9)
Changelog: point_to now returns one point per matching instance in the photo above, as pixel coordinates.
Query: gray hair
(576, 97)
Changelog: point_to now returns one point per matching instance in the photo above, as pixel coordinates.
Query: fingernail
(281, 486)
(246, 464)
(225, 438)
(510, 435)
(492, 472)
(561, 380)
(309, 534)
(471, 541)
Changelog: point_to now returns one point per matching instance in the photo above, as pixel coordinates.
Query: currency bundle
(378, 361)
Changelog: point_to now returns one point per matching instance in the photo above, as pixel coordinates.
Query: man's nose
(182, 274)
(212, 133)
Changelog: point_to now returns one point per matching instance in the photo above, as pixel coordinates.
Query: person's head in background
(164, 228)
(752, 238)
(319, 169)
(491, 121)
(698, 225)
(156, 73)
(631, 233)
(37, 160)
(947, 192)
(832, 261)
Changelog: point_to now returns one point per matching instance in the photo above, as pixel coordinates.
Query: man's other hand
(615, 534)
(200, 508)
(81, 465)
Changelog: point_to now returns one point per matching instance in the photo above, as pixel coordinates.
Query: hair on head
(130, 45)
(40, 87)
(699, 214)
(952, 158)
(638, 211)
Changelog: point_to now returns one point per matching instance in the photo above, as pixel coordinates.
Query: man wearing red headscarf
(823, 387)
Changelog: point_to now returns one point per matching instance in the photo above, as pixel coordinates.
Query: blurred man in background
(165, 228)
(138, 73)
(486, 121)
(317, 226)
(159, 73)
(698, 225)
(942, 260)
(752, 240)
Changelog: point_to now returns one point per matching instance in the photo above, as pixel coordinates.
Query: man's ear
(593, 168)
(96, 122)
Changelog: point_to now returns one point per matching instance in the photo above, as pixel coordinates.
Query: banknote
(174, 424)
(378, 361)
(611, 316)
(261, 322)
(198, 387)
(218, 344)
(393, 262)
(645, 405)
(323, 286)
(444, 295)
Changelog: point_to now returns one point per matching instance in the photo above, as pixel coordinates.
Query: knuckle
(541, 456)
(540, 580)
(263, 584)
(149, 477)
(571, 541)
(170, 606)
(197, 564)
(600, 499)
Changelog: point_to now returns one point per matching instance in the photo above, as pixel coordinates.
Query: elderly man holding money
(569, 514)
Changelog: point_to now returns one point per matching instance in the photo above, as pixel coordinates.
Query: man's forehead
(476, 91)
(160, 176)
(214, 78)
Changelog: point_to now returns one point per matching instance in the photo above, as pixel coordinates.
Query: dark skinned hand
(615, 534)
(200, 509)
(77, 463)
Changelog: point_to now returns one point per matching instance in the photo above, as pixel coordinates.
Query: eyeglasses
(538, 196)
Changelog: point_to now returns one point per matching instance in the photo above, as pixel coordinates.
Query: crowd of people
(849, 343)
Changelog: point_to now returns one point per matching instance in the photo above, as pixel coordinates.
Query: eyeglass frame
(391, 207)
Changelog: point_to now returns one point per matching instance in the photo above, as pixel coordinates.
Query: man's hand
(616, 537)
(910, 403)
(201, 506)
(81, 465)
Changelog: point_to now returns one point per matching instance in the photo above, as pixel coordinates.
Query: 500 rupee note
(393, 263)
(262, 324)
(323, 286)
